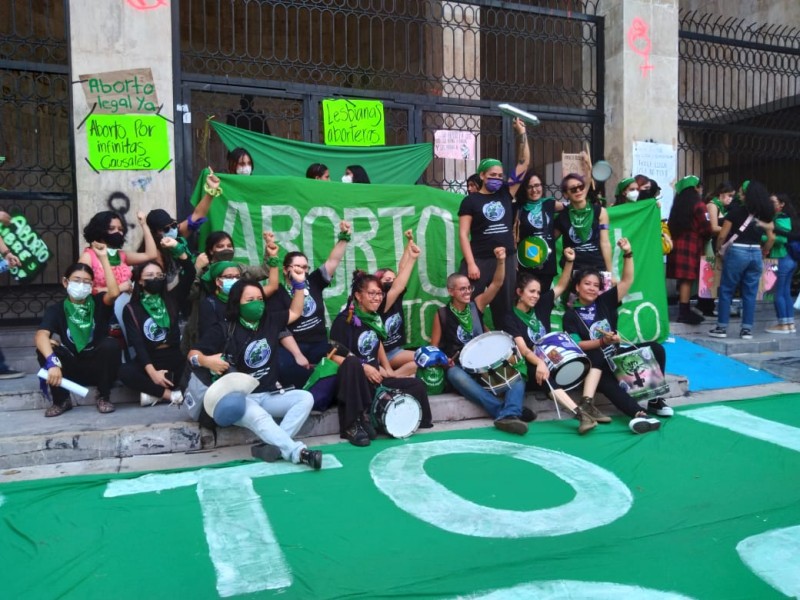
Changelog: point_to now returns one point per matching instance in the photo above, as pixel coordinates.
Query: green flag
(278, 156)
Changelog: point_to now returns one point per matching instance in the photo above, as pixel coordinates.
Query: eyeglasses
(374, 294)
(466, 288)
(576, 188)
(154, 277)
(229, 277)
(173, 225)
(89, 281)
(535, 186)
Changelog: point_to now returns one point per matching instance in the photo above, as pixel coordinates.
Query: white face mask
(347, 179)
(244, 170)
(79, 291)
(633, 195)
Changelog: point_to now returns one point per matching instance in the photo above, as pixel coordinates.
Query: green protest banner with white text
(304, 214)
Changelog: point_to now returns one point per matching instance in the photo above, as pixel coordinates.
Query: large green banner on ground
(304, 215)
(278, 156)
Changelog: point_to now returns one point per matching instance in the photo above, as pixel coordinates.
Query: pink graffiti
(146, 4)
(639, 42)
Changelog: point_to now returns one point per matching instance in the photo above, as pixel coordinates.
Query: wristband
(180, 248)
(194, 360)
(195, 225)
(52, 361)
(628, 255)
(603, 226)
(273, 261)
(344, 236)
(213, 192)
(298, 286)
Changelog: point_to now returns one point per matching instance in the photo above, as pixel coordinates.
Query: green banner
(278, 156)
(127, 142)
(27, 246)
(292, 208)
(354, 122)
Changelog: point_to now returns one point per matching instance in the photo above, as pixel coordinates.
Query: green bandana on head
(154, 305)
(686, 182)
(488, 163)
(371, 320)
(80, 321)
(623, 184)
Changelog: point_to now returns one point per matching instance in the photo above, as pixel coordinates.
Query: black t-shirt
(587, 254)
(55, 321)
(394, 323)
(586, 322)
(145, 335)
(541, 225)
(454, 338)
(310, 327)
(492, 221)
(357, 337)
(752, 233)
(252, 352)
(515, 327)
(212, 310)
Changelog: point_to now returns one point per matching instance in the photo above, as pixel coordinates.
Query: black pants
(91, 367)
(355, 393)
(609, 386)
(501, 305)
(133, 375)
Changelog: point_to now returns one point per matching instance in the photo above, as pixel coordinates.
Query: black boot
(312, 458)
(685, 315)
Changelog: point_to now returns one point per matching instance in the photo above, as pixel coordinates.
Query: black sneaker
(356, 435)
(718, 332)
(691, 318)
(644, 424)
(511, 425)
(527, 415)
(266, 452)
(660, 408)
(312, 458)
(746, 334)
(11, 374)
(366, 425)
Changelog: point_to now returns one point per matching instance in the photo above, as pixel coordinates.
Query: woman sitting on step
(86, 354)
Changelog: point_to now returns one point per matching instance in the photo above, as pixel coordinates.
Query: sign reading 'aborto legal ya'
(119, 92)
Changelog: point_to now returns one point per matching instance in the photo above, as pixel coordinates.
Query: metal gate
(739, 103)
(37, 177)
(435, 65)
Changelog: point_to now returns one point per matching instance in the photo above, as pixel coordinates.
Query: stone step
(733, 344)
(28, 438)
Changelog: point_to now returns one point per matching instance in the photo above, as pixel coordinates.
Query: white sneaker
(148, 400)
(175, 398)
(644, 424)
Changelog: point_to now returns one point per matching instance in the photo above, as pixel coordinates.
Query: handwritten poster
(116, 92)
(27, 246)
(574, 163)
(658, 162)
(127, 142)
(454, 144)
(354, 122)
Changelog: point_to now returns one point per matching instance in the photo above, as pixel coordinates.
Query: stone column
(117, 36)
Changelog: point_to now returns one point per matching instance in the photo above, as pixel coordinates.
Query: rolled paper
(513, 111)
(67, 384)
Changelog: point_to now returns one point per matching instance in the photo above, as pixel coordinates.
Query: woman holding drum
(550, 354)
(533, 230)
(364, 367)
(592, 323)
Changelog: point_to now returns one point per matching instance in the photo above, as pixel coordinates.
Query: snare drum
(489, 358)
(638, 374)
(568, 364)
(395, 412)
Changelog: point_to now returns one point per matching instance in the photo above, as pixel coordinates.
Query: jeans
(294, 406)
(741, 268)
(784, 303)
(509, 406)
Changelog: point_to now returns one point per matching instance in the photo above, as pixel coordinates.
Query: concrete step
(28, 438)
(24, 394)
(785, 365)
(732, 345)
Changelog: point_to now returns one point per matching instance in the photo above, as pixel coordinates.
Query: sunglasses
(576, 188)
(173, 225)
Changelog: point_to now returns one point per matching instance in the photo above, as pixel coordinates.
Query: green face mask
(252, 311)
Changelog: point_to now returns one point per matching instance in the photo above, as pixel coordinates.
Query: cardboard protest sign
(26, 245)
(118, 92)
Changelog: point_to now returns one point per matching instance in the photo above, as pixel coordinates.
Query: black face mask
(386, 286)
(223, 255)
(646, 194)
(115, 240)
(154, 286)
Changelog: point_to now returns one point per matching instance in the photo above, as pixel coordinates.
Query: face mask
(115, 240)
(493, 184)
(633, 195)
(79, 291)
(244, 170)
(252, 311)
(227, 284)
(223, 255)
(347, 179)
(172, 233)
(645, 194)
(386, 286)
(154, 286)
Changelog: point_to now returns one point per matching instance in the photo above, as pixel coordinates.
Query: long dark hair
(359, 174)
(522, 190)
(96, 229)
(726, 187)
(315, 170)
(214, 238)
(757, 202)
(681, 215)
(233, 159)
(235, 298)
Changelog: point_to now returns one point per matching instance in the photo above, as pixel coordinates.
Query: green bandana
(723, 210)
(488, 163)
(534, 207)
(371, 320)
(464, 317)
(114, 259)
(222, 296)
(215, 270)
(155, 307)
(530, 319)
(581, 220)
(250, 314)
(80, 319)
(181, 248)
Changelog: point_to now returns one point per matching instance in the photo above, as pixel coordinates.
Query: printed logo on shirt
(587, 313)
(154, 332)
(91, 337)
(393, 324)
(367, 343)
(309, 306)
(463, 336)
(257, 353)
(536, 220)
(494, 210)
(535, 336)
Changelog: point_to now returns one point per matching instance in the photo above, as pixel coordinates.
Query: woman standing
(318, 171)
(785, 217)
(533, 230)
(742, 265)
(151, 326)
(717, 205)
(240, 162)
(627, 191)
(486, 221)
(86, 354)
(355, 174)
(364, 366)
(690, 230)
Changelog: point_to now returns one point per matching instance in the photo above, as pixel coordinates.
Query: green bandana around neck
(80, 321)
(529, 318)
(581, 220)
(371, 320)
(534, 206)
(114, 258)
(723, 210)
(222, 296)
(464, 317)
(154, 305)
